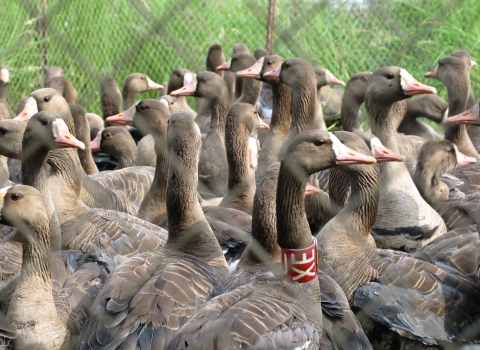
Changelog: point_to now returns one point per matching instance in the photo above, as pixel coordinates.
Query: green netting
(91, 39)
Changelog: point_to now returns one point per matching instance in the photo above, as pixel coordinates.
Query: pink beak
(412, 87)
(463, 159)
(95, 143)
(310, 189)
(262, 125)
(470, 116)
(28, 111)
(331, 79)
(189, 86)
(474, 64)
(153, 85)
(225, 66)
(124, 118)
(383, 154)
(274, 74)
(432, 74)
(64, 138)
(5, 76)
(345, 155)
(253, 71)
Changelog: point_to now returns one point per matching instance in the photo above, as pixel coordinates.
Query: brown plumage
(152, 294)
(65, 87)
(404, 220)
(51, 298)
(261, 309)
(5, 110)
(329, 101)
(82, 132)
(116, 141)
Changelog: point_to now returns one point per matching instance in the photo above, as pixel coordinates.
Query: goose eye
(107, 135)
(15, 196)
(142, 107)
(269, 63)
(46, 98)
(450, 150)
(44, 122)
(287, 65)
(143, 78)
(172, 103)
(389, 76)
(440, 64)
(319, 142)
(204, 79)
(3, 131)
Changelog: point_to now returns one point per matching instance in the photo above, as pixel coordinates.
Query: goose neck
(282, 104)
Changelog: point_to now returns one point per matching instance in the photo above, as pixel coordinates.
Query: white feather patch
(58, 124)
(3, 193)
(336, 143)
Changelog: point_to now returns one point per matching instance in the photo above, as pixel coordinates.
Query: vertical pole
(271, 23)
(42, 33)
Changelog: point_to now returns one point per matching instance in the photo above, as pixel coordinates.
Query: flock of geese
(243, 223)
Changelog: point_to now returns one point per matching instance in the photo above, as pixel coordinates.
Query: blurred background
(92, 39)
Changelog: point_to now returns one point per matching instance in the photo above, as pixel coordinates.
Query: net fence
(92, 39)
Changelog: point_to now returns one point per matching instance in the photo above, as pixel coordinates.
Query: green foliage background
(90, 39)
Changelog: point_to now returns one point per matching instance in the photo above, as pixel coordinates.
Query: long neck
(153, 206)
(188, 230)
(127, 157)
(292, 225)
(34, 174)
(350, 114)
(339, 189)
(251, 91)
(82, 133)
(129, 96)
(282, 105)
(35, 253)
(3, 91)
(457, 133)
(384, 121)
(236, 145)
(362, 206)
(304, 97)
(219, 110)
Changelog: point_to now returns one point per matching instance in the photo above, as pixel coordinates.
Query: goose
(329, 100)
(5, 110)
(213, 168)
(116, 141)
(353, 98)
(82, 228)
(52, 295)
(242, 120)
(409, 296)
(452, 72)
(280, 120)
(265, 304)
(230, 79)
(251, 87)
(229, 225)
(109, 190)
(153, 294)
(432, 107)
(82, 132)
(437, 158)
(299, 75)
(415, 223)
(51, 73)
(174, 83)
(135, 83)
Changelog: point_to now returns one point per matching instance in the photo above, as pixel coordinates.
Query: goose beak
(383, 154)
(5, 76)
(189, 86)
(153, 85)
(274, 74)
(470, 116)
(3, 193)
(310, 189)
(253, 71)
(95, 143)
(252, 152)
(474, 64)
(345, 155)
(262, 125)
(463, 159)
(28, 111)
(123, 118)
(432, 74)
(413, 87)
(64, 139)
(225, 66)
(331, 79)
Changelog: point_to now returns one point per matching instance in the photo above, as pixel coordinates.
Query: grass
(115, 38)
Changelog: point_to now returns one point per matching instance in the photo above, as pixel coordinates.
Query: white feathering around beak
(3, 193)
(335, 143)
